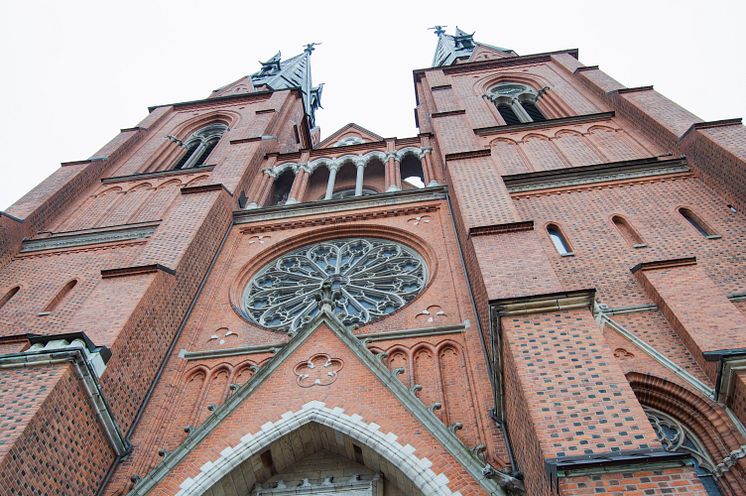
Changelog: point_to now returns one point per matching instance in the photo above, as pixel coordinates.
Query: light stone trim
(409, 401)
(418, 470)
(67, 240)
(327, 207)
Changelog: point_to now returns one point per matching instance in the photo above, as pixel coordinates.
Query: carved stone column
(333, 168)
(300, 184)
(427, 167)
(265, 186)
(359, 177)
(391, 174)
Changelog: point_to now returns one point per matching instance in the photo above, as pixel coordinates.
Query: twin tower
(542, 292)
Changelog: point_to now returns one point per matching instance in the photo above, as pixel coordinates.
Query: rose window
(369, 278)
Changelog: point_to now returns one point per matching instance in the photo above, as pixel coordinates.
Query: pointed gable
(349, 134)
(489, 52)
(242, 85)
(461, 46)
(327, 376)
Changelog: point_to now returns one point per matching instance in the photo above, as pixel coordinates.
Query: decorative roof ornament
(310, 47)
(272, 65)
(459, 46)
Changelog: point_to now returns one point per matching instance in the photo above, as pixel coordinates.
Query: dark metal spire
(460, 45)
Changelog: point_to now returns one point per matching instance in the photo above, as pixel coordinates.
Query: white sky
(76, 72)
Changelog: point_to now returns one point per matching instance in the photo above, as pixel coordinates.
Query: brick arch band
(417, 470)
(711, 425)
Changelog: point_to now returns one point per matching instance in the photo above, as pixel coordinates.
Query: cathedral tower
(540, 293)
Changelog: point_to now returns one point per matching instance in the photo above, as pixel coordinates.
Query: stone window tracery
(675, 437)
(516, 103)
(199, 146)
(370, 278)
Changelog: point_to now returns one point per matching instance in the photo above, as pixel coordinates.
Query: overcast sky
(76, 72)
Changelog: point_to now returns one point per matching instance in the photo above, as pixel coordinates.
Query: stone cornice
(508, 227)
(664, 264)
(277, 212)
(486, 152)
(611, 462)
(730, 365)
(551, 302)
(256, 96)
(226, 352)
(136, 270)
(496, 63)
(561, 121)
(591, 174)
(447, 113)
(90, 237)
(635, 89)
(204, 188)
(712, 124)
(157, 174)
(586, 68)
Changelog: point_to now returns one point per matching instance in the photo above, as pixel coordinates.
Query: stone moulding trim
(410, 402)
(711, 124)
(131, 129)
(87, 375)
(450, 157)
(264, 137)
(613, 462)
(226, 352)
(276, 212)
(560, 121)
(447, 113)
(67, 240)
(730, 366)
(508, 227)
(265, 111)
(258, 96)
(11, 217)
(593, 174)
(441, 87)
(136, 270)
(586, 68)
(204, 188)
(664, 264)
(495, 63)
(636, 89)
(551, 302)
(413, 333)
(149, 175)
(368, 337)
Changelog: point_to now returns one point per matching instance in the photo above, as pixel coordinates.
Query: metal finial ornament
(310, 47)
(439, 29)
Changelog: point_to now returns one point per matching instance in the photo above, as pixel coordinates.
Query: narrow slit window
(628, 232)
(533, 111)
(60, 296)
(697, 223)
(508, 114)
(558, 240)
(7, 296)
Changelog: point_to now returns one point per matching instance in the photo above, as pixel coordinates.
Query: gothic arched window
(516, 103)
(368, 278)
(199, 146)
(676, 437)
(558, 240)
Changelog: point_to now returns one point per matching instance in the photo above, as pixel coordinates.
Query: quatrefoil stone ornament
(319, 370)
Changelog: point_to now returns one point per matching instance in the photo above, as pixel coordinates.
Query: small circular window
(370, 278)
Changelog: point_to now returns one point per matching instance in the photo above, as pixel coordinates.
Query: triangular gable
(350, 129)
(243, 85)
(367, 385)
(488, 52)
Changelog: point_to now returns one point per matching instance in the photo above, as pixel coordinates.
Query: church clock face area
(369, 279)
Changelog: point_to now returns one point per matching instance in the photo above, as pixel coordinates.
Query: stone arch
(542, 153)
(227, 117)
(402, 459)
(215, 390)
(508, 156)
(577, 148)
(196, 180)
(705, 419)
(399, 356)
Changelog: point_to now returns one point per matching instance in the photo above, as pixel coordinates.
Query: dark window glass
(506, 111)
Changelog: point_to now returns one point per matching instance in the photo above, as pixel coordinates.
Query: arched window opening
(7, 296)
(199, 146)
(60, 296)
(533, 111)
(627, 231)
(558, 240)
(281, 188)
(412, 175)
(697, 223)
(516, 103)
(508, 115)
(675, 437)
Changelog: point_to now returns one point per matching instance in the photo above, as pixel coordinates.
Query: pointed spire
(451, 48)
(293, 73)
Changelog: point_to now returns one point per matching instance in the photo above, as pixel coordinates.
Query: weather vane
(438, 29)
(310, 47)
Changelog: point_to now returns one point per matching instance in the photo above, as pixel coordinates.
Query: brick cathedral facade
(542, 292)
